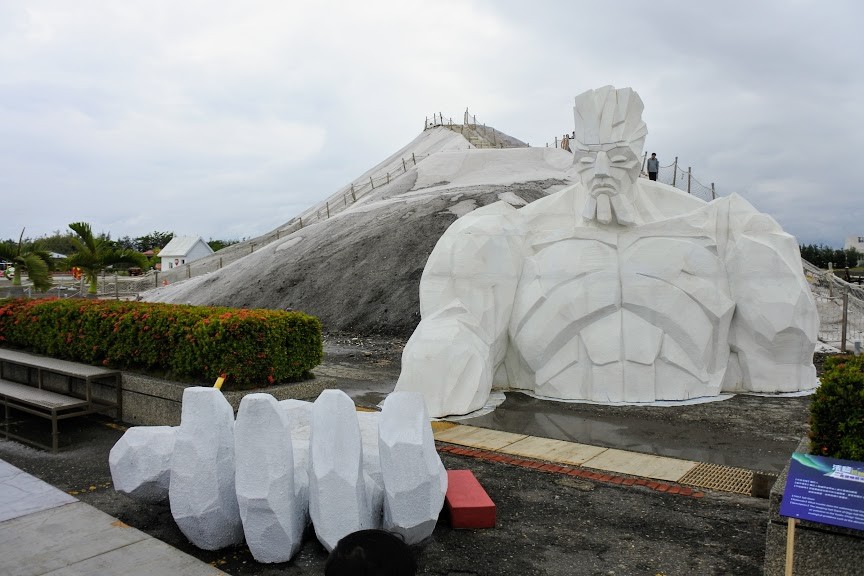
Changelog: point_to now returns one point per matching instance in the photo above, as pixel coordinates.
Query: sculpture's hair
(609, 116)
(371, 553)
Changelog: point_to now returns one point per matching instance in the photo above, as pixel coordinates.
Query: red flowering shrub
(255, 348)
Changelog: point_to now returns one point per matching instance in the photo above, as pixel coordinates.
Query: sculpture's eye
(586, 160)
(619, 159)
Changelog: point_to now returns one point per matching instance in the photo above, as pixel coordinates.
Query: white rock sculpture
(274, 514)
(414, 478)
(140, 462)
(341, 495)
(614, 289)
(202, 495)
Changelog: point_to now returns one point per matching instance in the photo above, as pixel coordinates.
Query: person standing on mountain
(653, 166)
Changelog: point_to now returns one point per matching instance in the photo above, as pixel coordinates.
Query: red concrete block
(641, 482)
(652, 485)
(698, 494)
(674, 490)
(468, 503)
(686, 491)
(662, 487)
(628, 481)
(617, 480)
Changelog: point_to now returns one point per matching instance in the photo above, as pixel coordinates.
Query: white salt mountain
(359, 270)
(273, 511)
(140, 462)
(202, 495)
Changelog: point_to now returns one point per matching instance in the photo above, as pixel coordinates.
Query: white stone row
(282, 464)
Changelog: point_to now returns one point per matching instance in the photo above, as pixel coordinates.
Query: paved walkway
(610, 460)
(43, 530)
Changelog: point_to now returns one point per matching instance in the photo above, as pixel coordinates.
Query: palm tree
(94, 254)
(30, 257)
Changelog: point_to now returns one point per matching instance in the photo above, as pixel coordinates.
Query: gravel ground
(548, 524)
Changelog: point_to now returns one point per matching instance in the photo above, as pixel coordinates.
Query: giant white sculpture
(614, 289)
(202, 494)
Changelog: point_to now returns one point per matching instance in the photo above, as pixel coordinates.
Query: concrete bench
(56, 390)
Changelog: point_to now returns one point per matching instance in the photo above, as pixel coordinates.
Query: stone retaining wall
(155, 402)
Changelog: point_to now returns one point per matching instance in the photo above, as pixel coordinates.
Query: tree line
(91, 253)
(821, 256)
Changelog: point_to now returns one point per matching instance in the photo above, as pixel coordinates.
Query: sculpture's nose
(601, 164)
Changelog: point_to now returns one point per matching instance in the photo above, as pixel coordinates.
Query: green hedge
(837, 410)
(255, 348)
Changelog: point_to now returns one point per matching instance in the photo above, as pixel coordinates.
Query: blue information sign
(825, 490)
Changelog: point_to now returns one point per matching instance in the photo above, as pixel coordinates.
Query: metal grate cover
(722, 478)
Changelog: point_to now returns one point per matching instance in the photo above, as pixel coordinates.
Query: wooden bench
(70, 391)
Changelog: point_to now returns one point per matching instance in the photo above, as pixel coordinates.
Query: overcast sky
(227, 119)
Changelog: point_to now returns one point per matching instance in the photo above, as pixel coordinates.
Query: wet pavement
(635, 430)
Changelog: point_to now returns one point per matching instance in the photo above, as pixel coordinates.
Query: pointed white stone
(140, 462)
(202, 495)
(274, 515)
(415, 480)
(339, 497)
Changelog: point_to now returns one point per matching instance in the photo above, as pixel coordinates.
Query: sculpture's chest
(587, 274)
(600, 256)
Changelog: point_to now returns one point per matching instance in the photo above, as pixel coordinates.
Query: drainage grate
(722, 478)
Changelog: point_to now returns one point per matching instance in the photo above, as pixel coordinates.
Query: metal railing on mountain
(479, 135)
(840, 305)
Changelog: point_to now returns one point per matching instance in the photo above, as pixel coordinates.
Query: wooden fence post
(353, 197)
(675, 171)
(156, 279)
(371, 182)
(388, 177)
(301, 221)
(220, 262)
(413, 158)
(116, 287)
(843, 323)
(689, 177)
(644, 159)
(404, 168)
(713, 194)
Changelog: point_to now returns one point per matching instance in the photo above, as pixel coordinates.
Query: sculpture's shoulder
(657, 201)
(498, 217)
(745, 218)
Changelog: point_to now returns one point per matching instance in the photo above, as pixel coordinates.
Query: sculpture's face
(608, 169)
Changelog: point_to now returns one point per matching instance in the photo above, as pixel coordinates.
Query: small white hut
(183, 250)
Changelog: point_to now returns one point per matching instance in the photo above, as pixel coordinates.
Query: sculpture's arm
(466, 296)
(774, 328)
